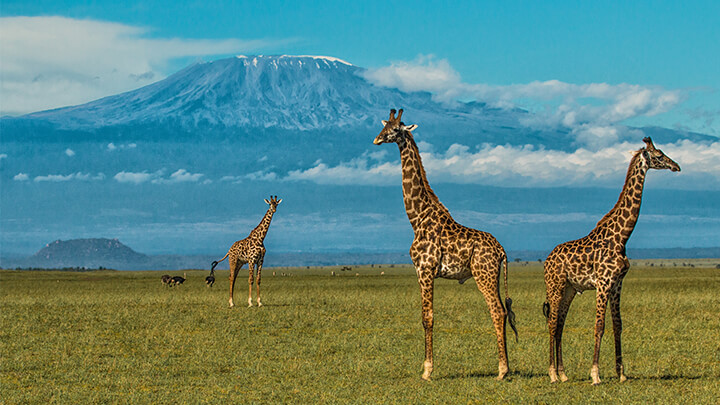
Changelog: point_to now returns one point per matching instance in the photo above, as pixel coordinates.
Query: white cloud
(589, 110)
(232, 179)
(261, 175)
(179, 176)
(21, 177)
(68, 177)
(69, 152)
(56, 61)
(425, 73)
(527, 166)
(135, 177)
(358, 171)
(3, 156)
(123, 146)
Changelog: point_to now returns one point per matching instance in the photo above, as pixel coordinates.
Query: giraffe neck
(261, 230)
(622, 218)
(419, 198)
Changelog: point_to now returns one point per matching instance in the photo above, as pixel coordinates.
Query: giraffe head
(394, 130)
(273, 203)
(656, 159)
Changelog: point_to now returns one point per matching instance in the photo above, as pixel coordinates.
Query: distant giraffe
(443, 248)
(598, 261)
(250, 250)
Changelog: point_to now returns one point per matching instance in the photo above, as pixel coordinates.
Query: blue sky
(673, 46)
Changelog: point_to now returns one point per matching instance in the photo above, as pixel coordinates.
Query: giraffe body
(442, 248)
(250, 250)
(598, 262)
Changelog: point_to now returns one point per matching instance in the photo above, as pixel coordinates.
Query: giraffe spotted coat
(250, 250)
(598, 261)
(443, 248)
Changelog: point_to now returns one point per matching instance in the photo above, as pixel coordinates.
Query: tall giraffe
(250, 250)
(598, 261)
(443, 248)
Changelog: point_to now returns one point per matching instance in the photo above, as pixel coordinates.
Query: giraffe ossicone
(250, 250)
(442, 248)
(598, 261)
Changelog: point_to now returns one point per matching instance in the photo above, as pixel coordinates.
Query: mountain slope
(298, 93)
(287, 95)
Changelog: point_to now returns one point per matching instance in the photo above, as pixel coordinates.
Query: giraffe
(598, 261)
(250, 250)
(443, 248)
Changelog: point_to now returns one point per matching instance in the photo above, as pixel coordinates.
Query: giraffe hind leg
(251, 269)
(601, 300)
(617, 331)
(565, 302)
(553, 305)
(497, 314)
(257, 282)
(233, 275)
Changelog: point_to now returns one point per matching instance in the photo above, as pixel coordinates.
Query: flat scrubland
(123, 337)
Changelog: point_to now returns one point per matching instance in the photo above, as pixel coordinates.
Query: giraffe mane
(631, 166)
(431, 194)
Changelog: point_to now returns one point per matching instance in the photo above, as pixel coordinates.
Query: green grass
(122, 337)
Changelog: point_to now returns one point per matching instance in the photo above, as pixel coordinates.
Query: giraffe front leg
(617, 331)
(250, 283)
(601, 307)
(426, 291)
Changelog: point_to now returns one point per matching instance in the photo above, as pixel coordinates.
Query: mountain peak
(327, 59)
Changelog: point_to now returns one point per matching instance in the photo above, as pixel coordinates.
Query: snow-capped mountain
(282, 93)
(295, 93)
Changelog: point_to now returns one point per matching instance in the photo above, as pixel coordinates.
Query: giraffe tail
(546, 310)
(508, 301)
(215, 263)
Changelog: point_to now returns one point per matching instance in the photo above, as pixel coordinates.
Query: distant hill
(90, 253)
(112, 254)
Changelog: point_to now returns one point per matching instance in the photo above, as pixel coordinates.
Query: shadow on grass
(531, 374)
(509, 376)
(668, 377)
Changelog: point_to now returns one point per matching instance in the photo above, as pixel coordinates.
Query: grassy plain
(122, 337)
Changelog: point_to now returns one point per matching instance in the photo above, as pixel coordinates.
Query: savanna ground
(123, 337)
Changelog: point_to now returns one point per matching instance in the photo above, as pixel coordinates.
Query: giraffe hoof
(426, 378)
(623, 378)
(562, 377)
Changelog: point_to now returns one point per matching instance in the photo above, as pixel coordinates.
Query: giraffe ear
(279, 201)
(384, 122)
(411, 127)
(267, 202)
